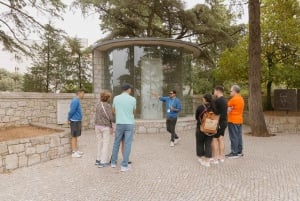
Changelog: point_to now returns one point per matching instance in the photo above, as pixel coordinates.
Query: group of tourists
(209, 148)
(121, 112)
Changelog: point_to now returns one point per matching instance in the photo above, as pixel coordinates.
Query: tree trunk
(48, 66)
(79, 71)
(269, 97)
(270, 81)
(257, 120)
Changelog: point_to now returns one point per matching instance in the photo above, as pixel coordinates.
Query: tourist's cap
(126, 86)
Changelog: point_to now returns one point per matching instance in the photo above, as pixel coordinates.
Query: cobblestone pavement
(270, 170)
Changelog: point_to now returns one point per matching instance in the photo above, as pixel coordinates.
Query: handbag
(209, 122)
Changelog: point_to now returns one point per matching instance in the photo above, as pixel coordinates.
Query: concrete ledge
(38, 95)
(23, 108)
(279, 124)
(159, 126)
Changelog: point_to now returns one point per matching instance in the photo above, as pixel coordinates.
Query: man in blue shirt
(124, 106)
(74, 119)
(173, 107)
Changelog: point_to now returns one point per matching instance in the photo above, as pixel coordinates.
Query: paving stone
(22, 161)
(65, 140)
(16, 148)
(40, 148)
(3, 148)
(37, 140)
(269, 171)
(54, 141)
(52, 153)
(30, 150)
(11, 161)
(34, 159)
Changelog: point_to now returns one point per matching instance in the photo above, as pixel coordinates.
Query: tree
(281, 41)
(257, 120)
(280, 52)
(81, 65)
(10, 81)
(51, 68)
(233, 64)
(208, 25)
(17, 23)
(163, 18)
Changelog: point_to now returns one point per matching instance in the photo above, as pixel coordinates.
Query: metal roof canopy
(111, 44)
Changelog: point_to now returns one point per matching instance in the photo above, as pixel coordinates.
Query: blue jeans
(236, 139)
(125, 131)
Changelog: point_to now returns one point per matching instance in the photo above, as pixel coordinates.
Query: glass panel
(149, 69)
(148, 60)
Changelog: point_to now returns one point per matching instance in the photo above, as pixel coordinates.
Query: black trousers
(171, 123)
(203, 144)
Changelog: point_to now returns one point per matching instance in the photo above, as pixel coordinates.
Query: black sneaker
(129, 162)
(232, 155)
(102, 165)
(97, 162)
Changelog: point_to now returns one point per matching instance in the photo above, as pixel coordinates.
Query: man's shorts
(221, 130)
(75, 128)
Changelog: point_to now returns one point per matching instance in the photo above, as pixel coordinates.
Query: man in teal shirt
(124, 106)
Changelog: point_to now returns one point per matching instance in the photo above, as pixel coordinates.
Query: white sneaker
(113, 165)
(215, 162)
(79, 152)
(172, 144)
(76, 155)
(176, 140)
(205, 163)
(124, 169)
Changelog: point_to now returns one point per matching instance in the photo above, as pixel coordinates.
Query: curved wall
(149, 68)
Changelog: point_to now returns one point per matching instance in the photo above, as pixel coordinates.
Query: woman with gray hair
(103, 129)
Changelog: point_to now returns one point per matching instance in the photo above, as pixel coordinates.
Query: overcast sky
(88, 27)
(76, 26)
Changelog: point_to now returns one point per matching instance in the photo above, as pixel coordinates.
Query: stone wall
(279, 123)
(24, 108)
(283, 124)
(159, 126)
(29, 151)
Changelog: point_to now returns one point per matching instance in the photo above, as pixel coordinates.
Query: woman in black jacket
(203, 142)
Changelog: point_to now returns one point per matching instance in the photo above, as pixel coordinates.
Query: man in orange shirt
(235, 121)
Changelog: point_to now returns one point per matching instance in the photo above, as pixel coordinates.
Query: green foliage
(209, 25)
(280, 48)
(80, 68)
(61, 66)
(16, 21)
(10, 81)
(233, 65)
(281, 41)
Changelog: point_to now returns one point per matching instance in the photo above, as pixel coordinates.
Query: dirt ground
(23, 132)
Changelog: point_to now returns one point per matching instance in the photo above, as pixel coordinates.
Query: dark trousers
(171, 123)
(236, 139)
(203, 144)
